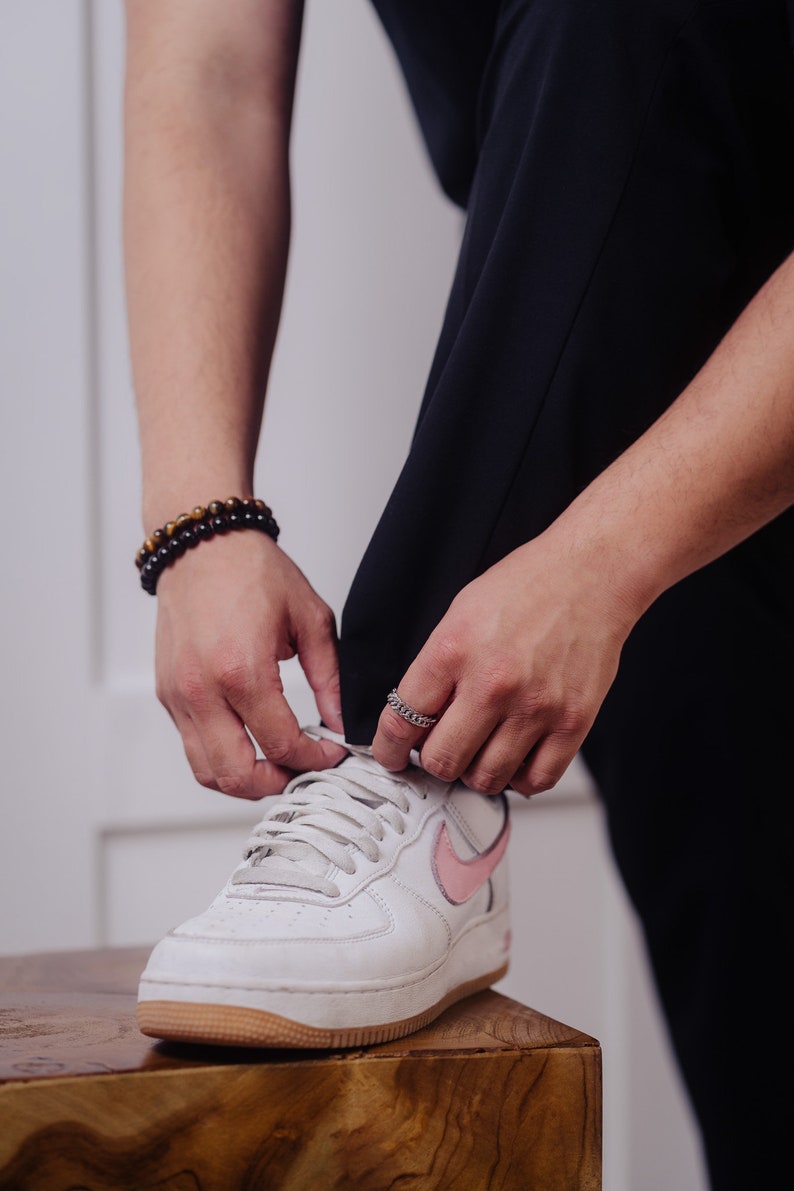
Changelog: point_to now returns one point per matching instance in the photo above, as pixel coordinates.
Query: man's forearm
(717, 466)
(206, 230)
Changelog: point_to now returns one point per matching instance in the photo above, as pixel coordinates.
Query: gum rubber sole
(233, 1025)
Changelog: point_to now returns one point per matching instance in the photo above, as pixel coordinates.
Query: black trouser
(627, 171)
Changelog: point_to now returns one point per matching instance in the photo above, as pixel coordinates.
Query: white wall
(107, 839)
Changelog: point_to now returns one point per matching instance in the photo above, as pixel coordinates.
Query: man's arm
(208, 103)
(526, 653)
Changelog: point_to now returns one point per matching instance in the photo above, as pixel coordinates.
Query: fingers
(473, 744)
(212, 714)
(529, 752)
(256, 696)
(224, 759)
(524, 743)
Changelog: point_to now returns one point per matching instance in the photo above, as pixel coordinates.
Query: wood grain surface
(492, 1095)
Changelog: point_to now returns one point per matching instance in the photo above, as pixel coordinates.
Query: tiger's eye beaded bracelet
(165, 545)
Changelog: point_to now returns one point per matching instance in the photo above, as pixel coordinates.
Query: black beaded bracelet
(165, 545)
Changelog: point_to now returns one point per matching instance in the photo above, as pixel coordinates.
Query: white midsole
(478, 951)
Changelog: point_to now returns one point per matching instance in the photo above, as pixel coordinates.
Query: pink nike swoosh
(460, 879)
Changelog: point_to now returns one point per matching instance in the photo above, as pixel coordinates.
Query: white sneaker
(367, 903)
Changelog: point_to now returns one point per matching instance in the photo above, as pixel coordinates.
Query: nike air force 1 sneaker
(366, 903)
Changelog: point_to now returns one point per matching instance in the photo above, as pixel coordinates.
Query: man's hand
(518, 668)
(228, 612)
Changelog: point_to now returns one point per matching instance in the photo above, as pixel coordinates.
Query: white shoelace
(321, 821)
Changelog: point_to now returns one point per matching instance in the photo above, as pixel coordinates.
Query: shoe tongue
(272, 866)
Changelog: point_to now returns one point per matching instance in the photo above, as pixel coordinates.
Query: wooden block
(491, 1095)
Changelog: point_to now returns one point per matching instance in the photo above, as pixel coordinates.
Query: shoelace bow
(320, 821)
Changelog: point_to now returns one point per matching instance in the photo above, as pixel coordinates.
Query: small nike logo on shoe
(460, 879)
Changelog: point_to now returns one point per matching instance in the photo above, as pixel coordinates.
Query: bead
(164, 556)
(169, 528)
(199, 513)
(149, 546)
(249, 519)
(268, 526)
(189, 537)
(158, 537)
(215, 507)
(183, 520)
(204, 530)
(235, 520)
(231, 504)
(220, 523)
(177, 546)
